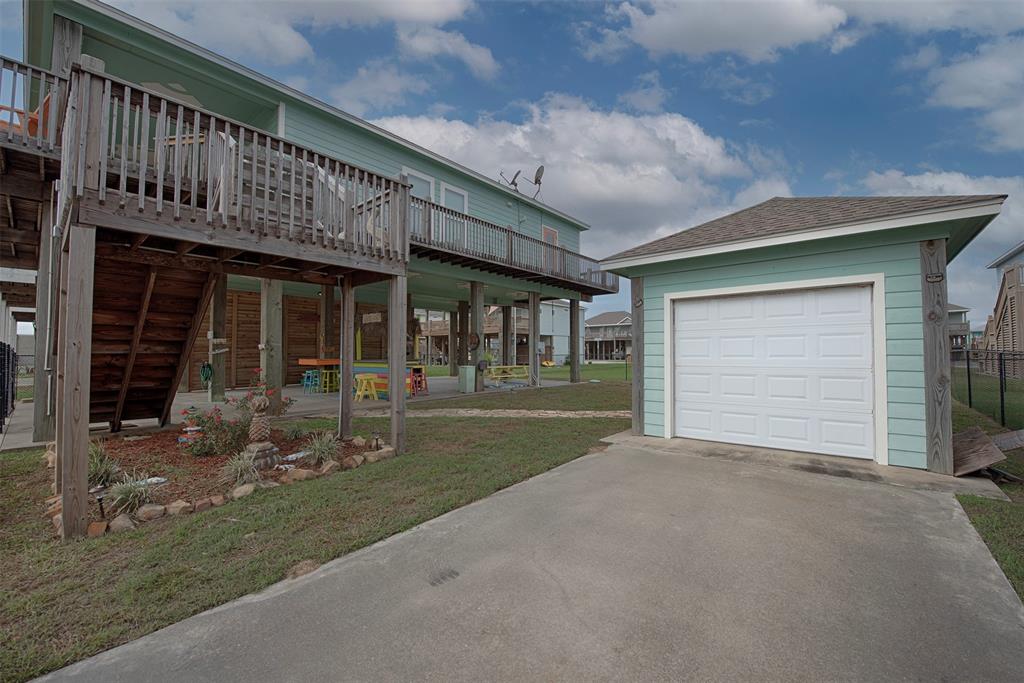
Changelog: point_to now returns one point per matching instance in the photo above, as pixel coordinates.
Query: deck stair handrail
(439, 227)
(31, 106)
(135, 150)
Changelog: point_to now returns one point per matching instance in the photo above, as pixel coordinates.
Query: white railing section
(31, 106)
(441, 228)
(141, 151)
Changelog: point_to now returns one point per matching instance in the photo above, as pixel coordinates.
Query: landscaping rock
(350, 462)
(58, 525)
(268, 484)
(50, 458)
(298, 475)
(202, 504)
(218, 500)
(358, 441)
(150, 511)
(302, 568)
(179, 507)
(385, 453)
(54, 508)
(243, 491)
(122, 523)
(329, 467)
(96, 529)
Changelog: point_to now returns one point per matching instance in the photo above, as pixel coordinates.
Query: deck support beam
(476, 305)
(74, 376)
(326, 322)
(463, 341)
(271, 340)
(133, 350)
(574, 340)
(637, 299)
(453, 343)
(937, 399)
(508, 335)
(533, 334)
(347, 349)
(396, 359)
(218, 330)
(44, 403)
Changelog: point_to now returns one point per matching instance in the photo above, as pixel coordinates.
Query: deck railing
(138, 150)
(31, 106)
(442, 228)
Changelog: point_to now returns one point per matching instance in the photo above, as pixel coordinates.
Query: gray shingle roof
(782, 215)
(609, 318)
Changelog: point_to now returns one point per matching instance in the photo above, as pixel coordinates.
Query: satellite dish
(514, 182)
(538, 175)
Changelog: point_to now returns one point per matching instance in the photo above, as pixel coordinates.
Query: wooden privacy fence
(140, 151)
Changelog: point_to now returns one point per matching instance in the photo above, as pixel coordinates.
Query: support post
(637, 297)
(67, 45)
(396, 359)
(476, 305)
(938, 403)
(347, 347)
(75, 375)
(45, 362)
(508, 335)
(270, 340)
(533, 334)
(326, 322)
(218, 330)
(463, 333)
(453, 343)
(574, 340)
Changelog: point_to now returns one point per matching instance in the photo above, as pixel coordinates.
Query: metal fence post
(1002, 389)
(970, 401)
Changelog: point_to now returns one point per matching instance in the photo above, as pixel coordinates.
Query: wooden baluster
(291, 196)
(143, 151)
(227, 181)
(135, 142)
(348, 208)
(178, 141)
(279, 184)
(266, 188)
(194, 171)
(302, 231)
(104, 138)
(125, 115)
(211, 141)
(55, 97)
(42, 99)
(317, 204)
(252, 181)
(84, 86)
(161, 155)
(14, 86)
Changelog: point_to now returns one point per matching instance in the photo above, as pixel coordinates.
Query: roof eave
(1007, 256)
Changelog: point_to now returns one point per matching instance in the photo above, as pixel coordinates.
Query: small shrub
(103, 469)
(321, 447)
(293, 430)
(129, 494)
(239, 469)
(217, 435)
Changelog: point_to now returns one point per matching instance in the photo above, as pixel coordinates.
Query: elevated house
(164, 195)
(1004, 330)
(958, 327)
(608, 336)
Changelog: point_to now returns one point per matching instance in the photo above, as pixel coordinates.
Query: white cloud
(377, 86)
(926, 57)
(647, 96)
(742, 89)
(970, 284)
(268, 32)
(633, 177)
(426, 42)
(991, 81)
(982, 17)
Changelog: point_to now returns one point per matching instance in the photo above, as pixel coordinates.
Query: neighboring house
(1004, 330)
(609, 336)
(805, 324)
(957, 326)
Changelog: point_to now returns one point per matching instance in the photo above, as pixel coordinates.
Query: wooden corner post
(533, 334)
(453, 343)
(637, 298)
(347, 347)
(938, 404)
(508, 335)
(74, 374)
(218, 331)
(574, 340)
(476, 304)
(271, 343)
(396, 359)
(42, 381)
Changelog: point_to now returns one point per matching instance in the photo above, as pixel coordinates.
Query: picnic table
(504, 372)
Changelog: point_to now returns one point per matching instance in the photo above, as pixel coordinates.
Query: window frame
(458, 190)
(408, 170)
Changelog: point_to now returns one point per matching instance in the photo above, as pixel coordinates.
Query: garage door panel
(789, 370)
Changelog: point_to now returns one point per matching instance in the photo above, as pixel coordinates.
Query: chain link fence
(991, 382)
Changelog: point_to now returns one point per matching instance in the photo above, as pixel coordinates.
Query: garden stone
(351, 462)
(54, 509)
(268, 484)
(58, 525)
(385, 453)
(150, 511)
(122, 523)
(329, 467)
(243, 491)
(203, 504)
(179, 507)
(298, 475)
(358, 441)
(218, 500)
(301, 569)
(96, 529)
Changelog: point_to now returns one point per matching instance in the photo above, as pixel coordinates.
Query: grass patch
(602, 396)
(24, 391)
(1000, 523)
(985, 395)
(606, 372)
(66, 601)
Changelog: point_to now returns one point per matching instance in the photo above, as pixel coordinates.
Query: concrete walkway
(631, 564)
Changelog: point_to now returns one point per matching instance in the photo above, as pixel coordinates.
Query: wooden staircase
(144, 324)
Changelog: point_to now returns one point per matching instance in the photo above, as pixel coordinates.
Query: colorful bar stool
(329, 380)
(311, 381)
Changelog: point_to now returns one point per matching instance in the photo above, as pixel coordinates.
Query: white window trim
(408, 170)
(880, 376)
(455, 188)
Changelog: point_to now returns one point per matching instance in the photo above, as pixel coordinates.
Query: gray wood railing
(32, 104)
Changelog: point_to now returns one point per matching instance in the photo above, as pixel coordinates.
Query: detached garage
(807, 324)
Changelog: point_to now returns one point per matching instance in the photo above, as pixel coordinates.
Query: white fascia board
(987, 208)
(1007, 256)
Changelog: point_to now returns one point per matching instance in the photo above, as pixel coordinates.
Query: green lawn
(23, 392)
(605, 372)
(1000, 523)
(66, 601)
(985, 395)
(586, 396)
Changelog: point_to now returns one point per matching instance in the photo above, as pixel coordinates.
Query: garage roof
(788, 215)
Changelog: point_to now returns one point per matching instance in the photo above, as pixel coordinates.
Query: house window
(422, 184)
(454, 198)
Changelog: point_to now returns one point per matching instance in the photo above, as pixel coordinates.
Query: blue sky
(651, 117)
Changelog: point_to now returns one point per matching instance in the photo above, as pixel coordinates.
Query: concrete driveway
(629, 564)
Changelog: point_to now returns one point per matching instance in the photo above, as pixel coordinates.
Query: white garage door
(790, 370)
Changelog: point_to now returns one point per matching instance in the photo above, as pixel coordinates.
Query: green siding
(897, 256)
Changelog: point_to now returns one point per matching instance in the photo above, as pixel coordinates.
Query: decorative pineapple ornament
(259, 429)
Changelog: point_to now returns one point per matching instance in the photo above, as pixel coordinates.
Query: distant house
(957, 326)
(1004, 330)
(609, 336)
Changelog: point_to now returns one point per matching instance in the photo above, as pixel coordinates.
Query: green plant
(129, 494)
(321, 447)
(216, 435)
(103, 469)
(239, 469)
(293, 430)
